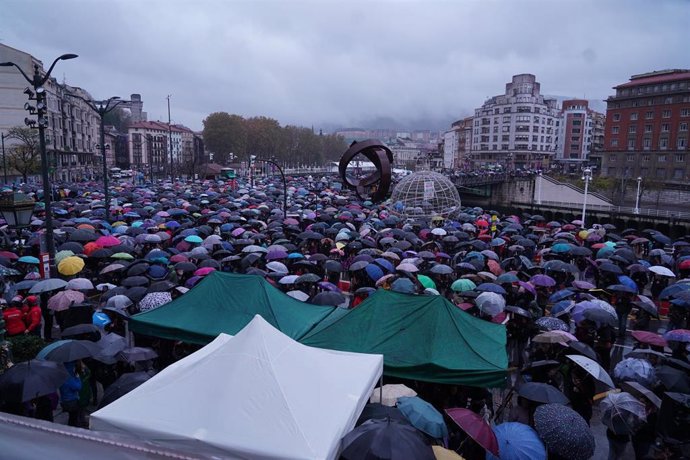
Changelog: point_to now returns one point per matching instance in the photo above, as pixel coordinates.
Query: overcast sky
(345, 63)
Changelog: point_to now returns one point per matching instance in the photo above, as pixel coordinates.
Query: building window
(612, 157)
(685, 112)
(506, 119)
(505, 129)
(632, 129)
(679, 157)
(681, 143)
(505, 147)
(647, 143)
(633, 116)
(683, 127)
(644, 172)
(645, 158)
(506, 110)
(614, 142)
(647, 128)
(649, 115)
(631, 144)
(666, 114)
(574, 147)
(661, 159)
(663, 143)
(616, 117)
(631, 157)
(660, 173)
(665, 128)
(614, 130)
(577, 122)
(679, 174)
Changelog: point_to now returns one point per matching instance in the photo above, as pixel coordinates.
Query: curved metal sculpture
(378, 182)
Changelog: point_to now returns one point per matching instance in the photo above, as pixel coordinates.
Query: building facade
(517, 129)
(579, 135)
(646, 131)
(457, 145)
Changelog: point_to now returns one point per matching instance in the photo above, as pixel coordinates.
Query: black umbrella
(333, 266)
(161, 286)
(621, 288)
(564, 432)
(64, 351)
(308, 278)
(137, 269)
(379, 439)
(82, 235)
(381, 412)
(673, 379)
(134, 354)
(584, 350)
(542, 392)
(539, 365)
(136, 293)
(611, 268)
(80, 329)
(31, 379)
(331, 298)
(600, 316)
(133, 281)
(186, 267)
(122, 386)
(73, 246)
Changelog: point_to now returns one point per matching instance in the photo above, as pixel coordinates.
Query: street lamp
(637, 196)
(282, 175)
(37, 81)
(539, 187)
(4, 160)
(102, 108)
(587, 176)
(17, 209)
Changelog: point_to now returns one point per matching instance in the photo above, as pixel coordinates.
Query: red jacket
(14, 321)
(32, 318)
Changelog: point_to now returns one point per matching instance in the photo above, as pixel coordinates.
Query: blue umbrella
(561, 295)
(385, 264)
(627, 281)
(490, 287)
(507, 278)
(564, 306)
(193, 239)
(517, 441)
(674, 289)
(374, 271)
(561, 248)
(423, 416)
(28, 260)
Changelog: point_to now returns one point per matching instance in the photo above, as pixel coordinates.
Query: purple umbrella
(542, 280)
(583, 285)
(528, 287)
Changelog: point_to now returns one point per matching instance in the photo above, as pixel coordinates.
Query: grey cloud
(345, 63)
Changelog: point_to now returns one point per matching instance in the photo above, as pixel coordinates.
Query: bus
(228, 173)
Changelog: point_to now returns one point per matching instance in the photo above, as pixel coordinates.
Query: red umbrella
(107, 241)
(9, 255)
(91, 247)
(684, 265)
(650, 338)
(475, 427)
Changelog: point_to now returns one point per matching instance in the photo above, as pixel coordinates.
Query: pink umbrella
(64, 299)
(107, 241)
(204, 271)
(649, 338)
(179, 258)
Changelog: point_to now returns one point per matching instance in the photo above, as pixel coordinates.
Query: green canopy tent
(423, 338)
(225, 302)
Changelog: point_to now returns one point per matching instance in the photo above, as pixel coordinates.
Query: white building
(518, 128)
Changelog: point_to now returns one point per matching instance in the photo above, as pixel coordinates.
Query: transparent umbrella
(622, 413)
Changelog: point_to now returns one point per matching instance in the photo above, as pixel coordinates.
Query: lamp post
(4, 159)
(587, 176)
(37, 81)
(282, 175)
(539, 187)
(102, 108)
(170, 143)
(637, 196)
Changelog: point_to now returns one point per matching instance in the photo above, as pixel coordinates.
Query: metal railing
(643, 212)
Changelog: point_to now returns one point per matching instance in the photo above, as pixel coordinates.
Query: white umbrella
(662, 271)
(638, 370)
(391, 393)
(80, 284)
(439, 232)
(299, 295)
(105, 287)
(289, 279)
(593, 368)
(622, 413)
(118, 302)
(490, 303)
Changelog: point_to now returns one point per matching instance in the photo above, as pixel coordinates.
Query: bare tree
(24, 156)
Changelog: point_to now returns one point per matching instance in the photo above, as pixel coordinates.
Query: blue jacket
(69, 391)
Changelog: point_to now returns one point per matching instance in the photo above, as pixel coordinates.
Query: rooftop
(659, 76)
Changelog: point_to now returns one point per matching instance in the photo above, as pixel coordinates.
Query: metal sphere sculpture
(425, 194)
(375, 185)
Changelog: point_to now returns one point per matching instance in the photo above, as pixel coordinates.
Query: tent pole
(381, 388)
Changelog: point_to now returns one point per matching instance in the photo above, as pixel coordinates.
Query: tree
(263, 137)
(224, 134)
(25, 155)
(119, 118)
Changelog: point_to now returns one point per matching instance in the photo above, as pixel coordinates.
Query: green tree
(224, 134)
(263, 137)
(24, 155)
(119, 118)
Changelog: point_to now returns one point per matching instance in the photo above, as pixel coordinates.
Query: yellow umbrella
(445, 454)
(70, 265)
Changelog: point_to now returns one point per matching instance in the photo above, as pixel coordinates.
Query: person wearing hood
(69, 394)
(32, 315)
(14, 319)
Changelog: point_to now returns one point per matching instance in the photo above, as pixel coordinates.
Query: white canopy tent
(258, 395)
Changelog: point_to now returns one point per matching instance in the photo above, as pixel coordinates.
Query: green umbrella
(462, 285)
(62, 255)
(426, 281)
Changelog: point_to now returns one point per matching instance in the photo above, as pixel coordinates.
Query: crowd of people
(585, 308)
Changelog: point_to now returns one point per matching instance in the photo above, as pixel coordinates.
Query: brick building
(646, 132)
(580, 133)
